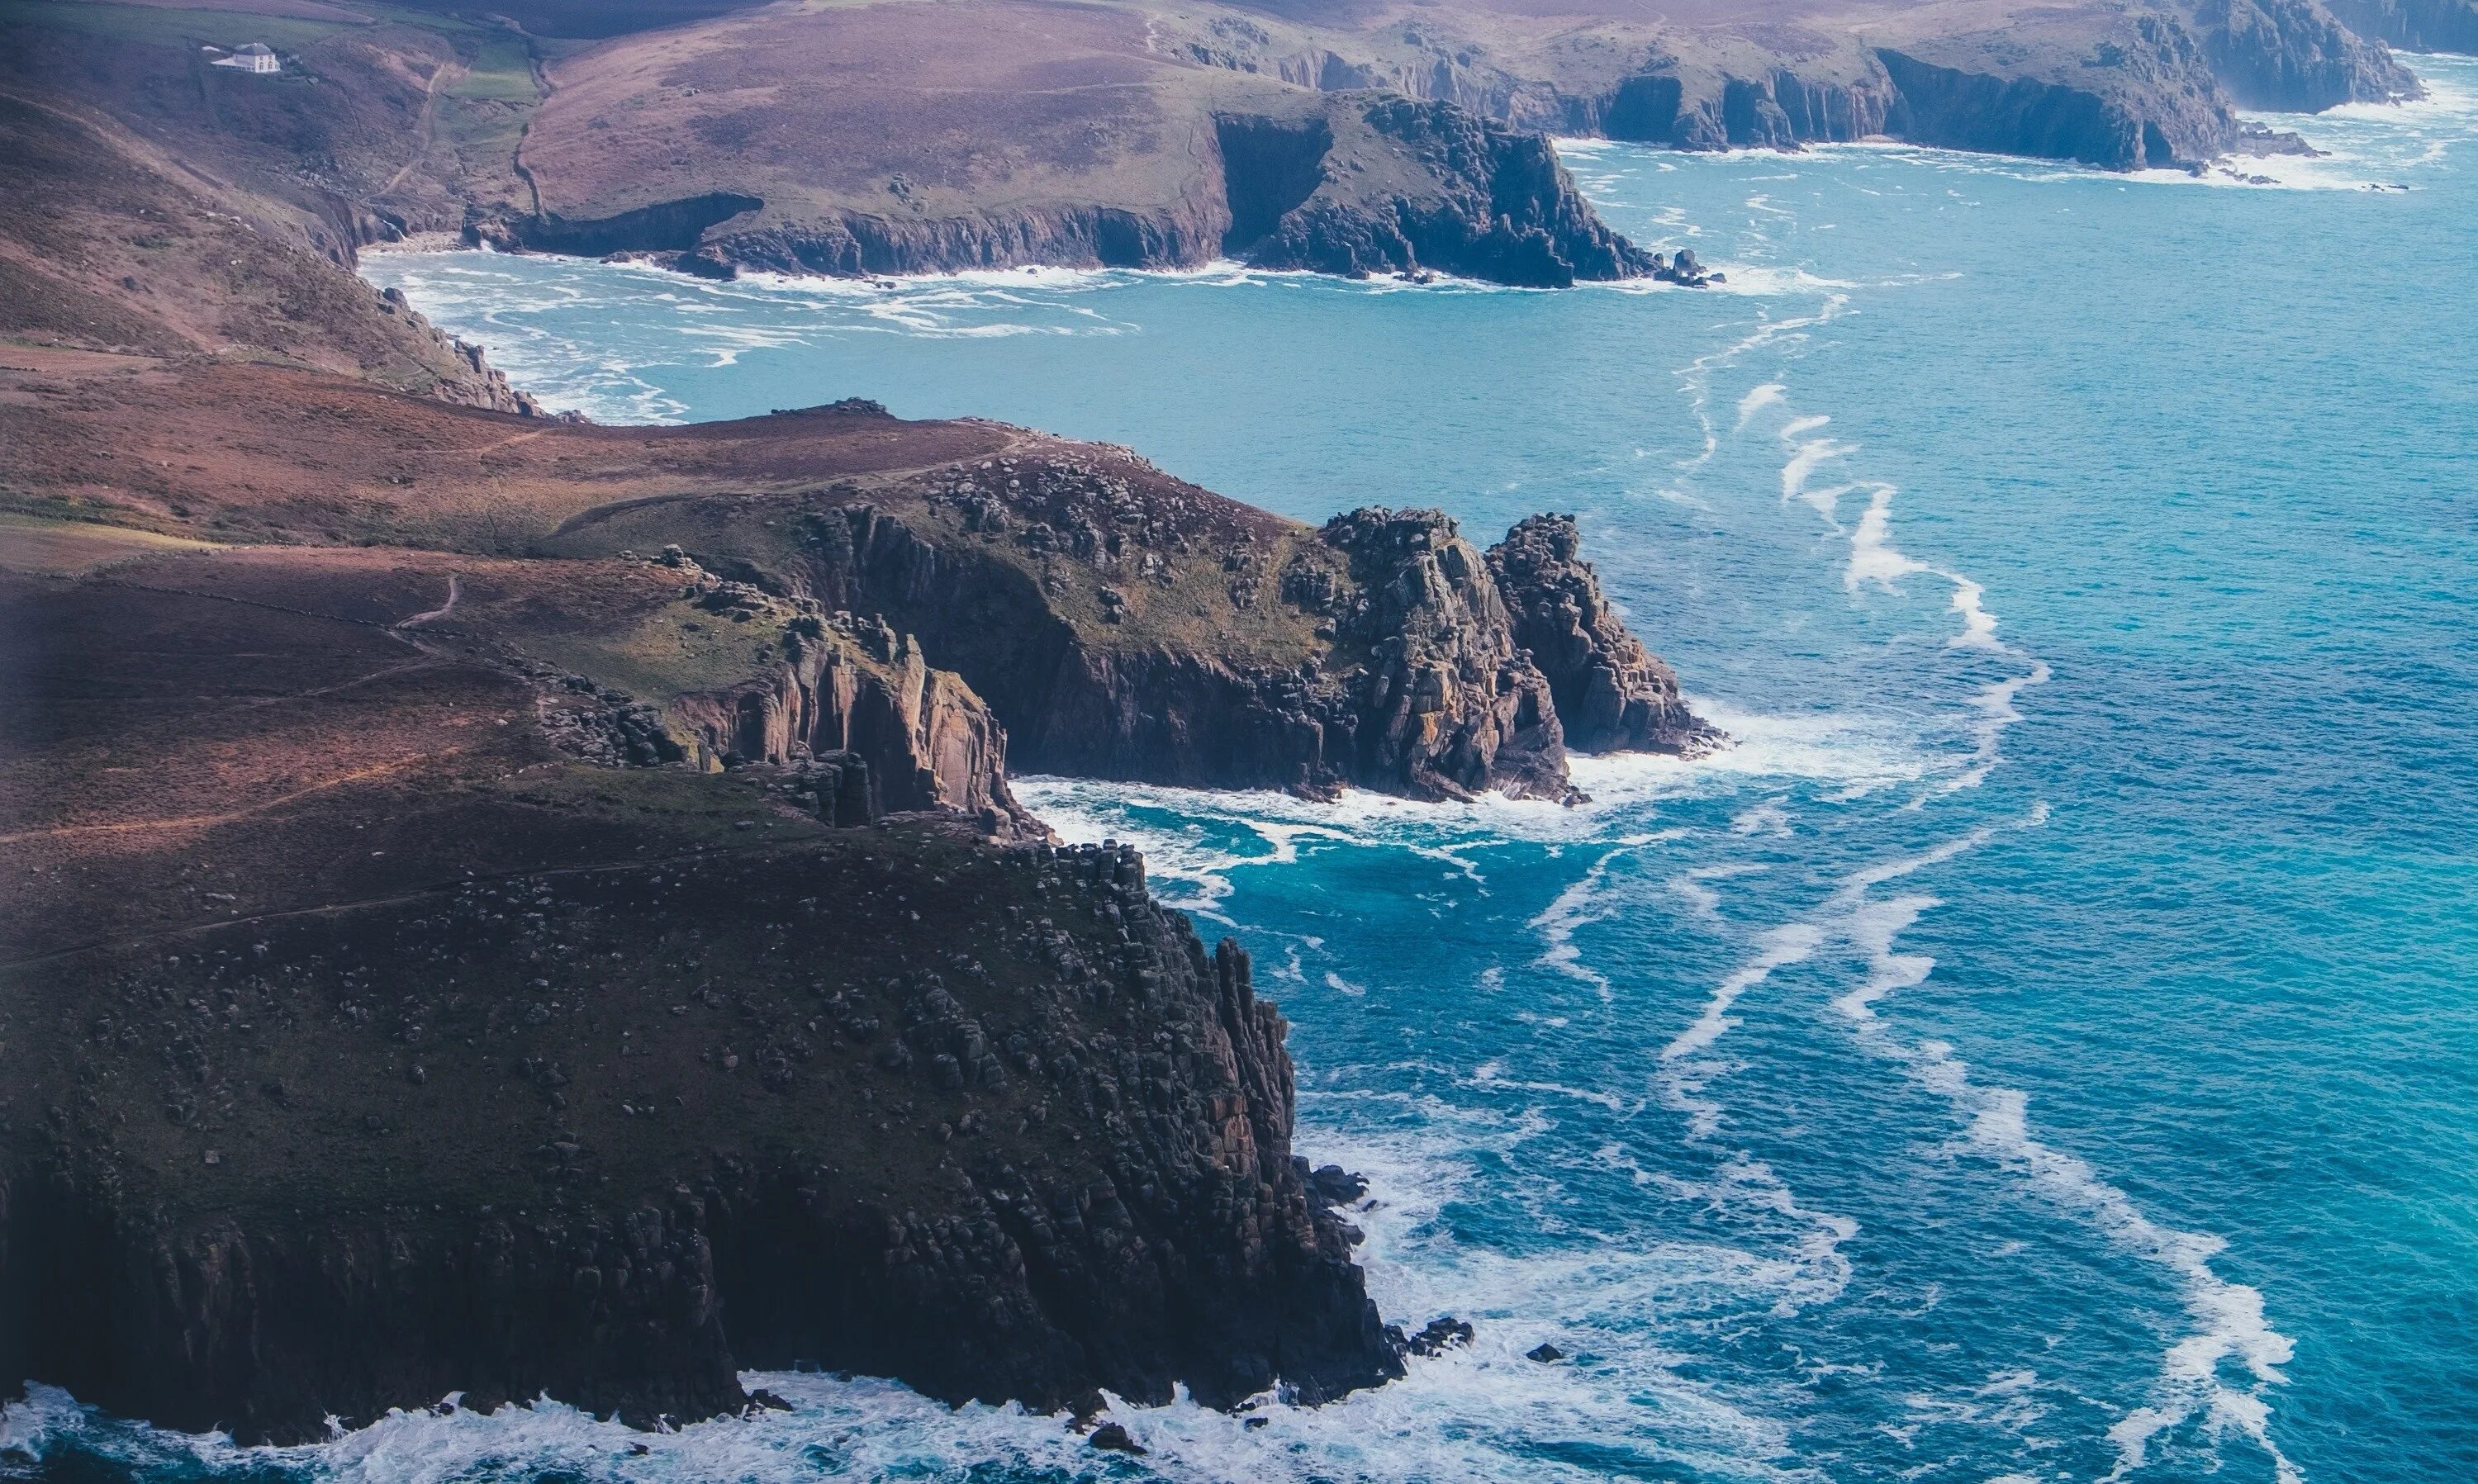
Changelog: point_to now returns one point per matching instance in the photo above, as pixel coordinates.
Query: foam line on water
(1685, 1070)
(2226, 1321)
(1875, 563)
(1580, 905)
(1696, 376)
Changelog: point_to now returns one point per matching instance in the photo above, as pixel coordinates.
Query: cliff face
(1613, 694)
(1778, 110)
(849, 245)
(813, 1165)
(2145, 98)
(1390, 185)
(2295, 56)
(2421, 25)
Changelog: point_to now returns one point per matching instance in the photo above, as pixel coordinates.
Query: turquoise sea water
(2045, 1049)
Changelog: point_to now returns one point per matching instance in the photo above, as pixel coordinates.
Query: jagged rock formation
(1444, 706)
(1400, 667)
(854, 705)
(1611, 694)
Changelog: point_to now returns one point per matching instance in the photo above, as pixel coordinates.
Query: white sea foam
(1874, 559)
(1695, 886)
(1807, 456)
(1686, 1069)
(1626, 790)
(1859, 751)
(1875, 562)
(2226, 1320)
(1684, 1072)
(1582, 903)
(1694, 378)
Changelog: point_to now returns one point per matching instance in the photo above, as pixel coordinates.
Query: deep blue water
(2041, 1050)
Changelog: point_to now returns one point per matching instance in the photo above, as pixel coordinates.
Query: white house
(256, 57)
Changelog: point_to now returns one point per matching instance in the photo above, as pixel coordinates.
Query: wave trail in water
(2226, 1320)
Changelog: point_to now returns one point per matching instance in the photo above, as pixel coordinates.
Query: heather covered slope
(109, 242)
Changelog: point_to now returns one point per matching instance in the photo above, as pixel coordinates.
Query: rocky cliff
(1345, 183)
(1377, 183)
(1611, 694)
(503, 1071)
(1116, 622)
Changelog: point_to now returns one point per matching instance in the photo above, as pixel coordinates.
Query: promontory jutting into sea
(1026, 740)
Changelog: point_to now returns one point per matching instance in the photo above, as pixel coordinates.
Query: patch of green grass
(503, 72)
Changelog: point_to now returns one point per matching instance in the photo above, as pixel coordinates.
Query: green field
(503, 72)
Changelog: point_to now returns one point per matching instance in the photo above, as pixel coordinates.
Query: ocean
(2044, 1048)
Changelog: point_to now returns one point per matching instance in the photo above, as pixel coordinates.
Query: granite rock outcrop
(1404, 664)
(1611, 694)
